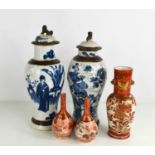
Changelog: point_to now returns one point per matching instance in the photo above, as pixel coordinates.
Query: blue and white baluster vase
(45, 78)
(87, 77)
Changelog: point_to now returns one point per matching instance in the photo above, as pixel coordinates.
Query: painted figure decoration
(121, 104)
(43, 94)
(87, 77)
(45, 78)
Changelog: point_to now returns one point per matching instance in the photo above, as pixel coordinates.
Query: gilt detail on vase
(86, 77)
(45, 78)
(121, 104)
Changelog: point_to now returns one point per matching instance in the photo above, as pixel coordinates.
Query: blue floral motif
(79, 90)
(88, 68)
(99, 79)
(56, 76)
(38, 38)
(92, 54)
(93, 111)
(30, 88)
(43, 95)
(94, 103)
(93, 98)
(77, 113)
(87, 54)
(49, 55)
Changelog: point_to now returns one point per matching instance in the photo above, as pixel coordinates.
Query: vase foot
(118, 136)
(40, 125)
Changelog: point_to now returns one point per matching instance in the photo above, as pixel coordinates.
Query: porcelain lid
(89, 44)
(45, 38)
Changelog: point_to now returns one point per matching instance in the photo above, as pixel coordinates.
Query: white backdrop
(127, 38)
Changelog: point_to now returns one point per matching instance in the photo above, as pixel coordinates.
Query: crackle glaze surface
(86, 131)
(120, 113)
(86, 79)
(45, 77)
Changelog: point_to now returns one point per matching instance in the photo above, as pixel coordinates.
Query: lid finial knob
(45, 30)
(90, 35)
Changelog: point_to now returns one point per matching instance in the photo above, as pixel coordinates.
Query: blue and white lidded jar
(87, 77)
(45, 78)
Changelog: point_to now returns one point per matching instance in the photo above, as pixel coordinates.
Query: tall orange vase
(121, 104)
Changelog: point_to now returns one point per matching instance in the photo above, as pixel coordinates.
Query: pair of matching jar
(86, 76)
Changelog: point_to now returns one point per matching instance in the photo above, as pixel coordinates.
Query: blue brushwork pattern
(56, 75)
(43, 95)
(100, 78)
(31, 88)
(85, 54)
(88, 68)
(88, 54)
(78, 87)
(38, 38)
(49, 55)
(92, 54)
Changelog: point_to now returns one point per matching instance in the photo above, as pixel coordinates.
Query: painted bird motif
(123, 86)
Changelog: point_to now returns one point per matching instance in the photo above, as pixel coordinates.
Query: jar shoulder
(44, 63)
(114, 96)
(33, 68)
(84, 63)
(87, 59)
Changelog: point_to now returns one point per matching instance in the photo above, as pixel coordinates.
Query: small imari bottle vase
(45, 78)
(87, 77)
(62, 125)
(121, 104)
(86, 129)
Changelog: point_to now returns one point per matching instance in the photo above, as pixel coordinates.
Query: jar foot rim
(40, 125)
(117, 136)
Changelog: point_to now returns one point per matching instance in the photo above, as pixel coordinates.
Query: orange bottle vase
(86, 129)
(62, 125)
(121, 104)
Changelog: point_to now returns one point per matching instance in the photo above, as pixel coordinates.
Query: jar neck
(122, 81)
(63, 102)
(44, 53)
(86, 114)
(87, 53)
(86, 107)
(121, 90)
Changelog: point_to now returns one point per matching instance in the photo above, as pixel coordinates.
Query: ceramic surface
(44, 75)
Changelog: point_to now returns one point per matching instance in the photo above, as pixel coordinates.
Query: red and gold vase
(121, 104)
(63, 123)
(86, 129)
